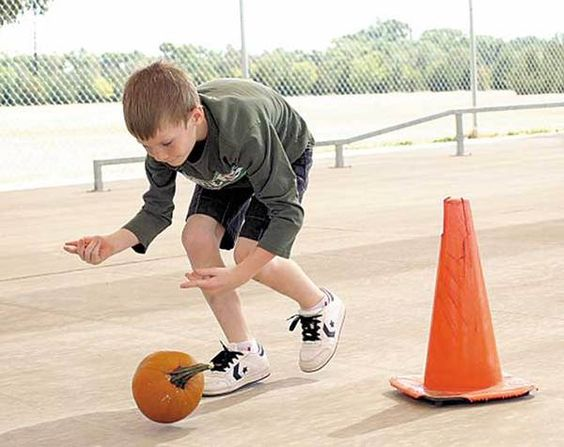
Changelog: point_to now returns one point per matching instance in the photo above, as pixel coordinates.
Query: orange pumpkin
(168, 385)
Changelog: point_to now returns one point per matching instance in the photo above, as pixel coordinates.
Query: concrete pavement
(73, 334)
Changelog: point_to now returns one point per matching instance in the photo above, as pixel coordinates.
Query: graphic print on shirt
(219, 179)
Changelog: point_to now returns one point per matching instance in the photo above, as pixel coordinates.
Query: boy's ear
(197, 113)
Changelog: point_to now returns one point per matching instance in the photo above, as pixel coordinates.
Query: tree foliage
(12, 10)
(381, 58)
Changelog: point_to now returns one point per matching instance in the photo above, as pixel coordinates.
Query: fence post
(459, 135)
(98, 183)
(339, 156)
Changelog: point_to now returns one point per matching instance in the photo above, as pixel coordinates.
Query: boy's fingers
(95, 258)
(193, 276)
(73, 243)
(80, 248)
(91, 250)
(83, 245)
(189, 284)
(70, 249)
(201, 283)
(88, 251)
(211, 271)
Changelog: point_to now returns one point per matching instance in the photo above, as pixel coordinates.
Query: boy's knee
(199, 241)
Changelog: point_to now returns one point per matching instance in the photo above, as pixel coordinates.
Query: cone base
(510, 387)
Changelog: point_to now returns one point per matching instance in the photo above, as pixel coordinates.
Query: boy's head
(162, 110)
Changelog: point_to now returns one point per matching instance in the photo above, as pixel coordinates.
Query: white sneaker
(235, 369)
(320, 332)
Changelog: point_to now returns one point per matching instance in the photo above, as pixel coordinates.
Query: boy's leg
(282, 275)
(321, 314)
(201, 239)
(213, 221)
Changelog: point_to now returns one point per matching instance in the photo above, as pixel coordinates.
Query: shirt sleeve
(156, 213)
(274, 183)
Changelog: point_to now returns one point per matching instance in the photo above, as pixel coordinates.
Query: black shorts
(238, 210)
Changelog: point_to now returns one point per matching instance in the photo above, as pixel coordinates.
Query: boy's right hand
(91, 249)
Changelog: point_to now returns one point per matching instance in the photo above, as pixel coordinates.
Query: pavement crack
(83, 269)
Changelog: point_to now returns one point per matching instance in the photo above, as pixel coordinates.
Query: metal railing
(341, 143)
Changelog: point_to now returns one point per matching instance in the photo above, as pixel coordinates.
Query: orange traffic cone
(462, 360)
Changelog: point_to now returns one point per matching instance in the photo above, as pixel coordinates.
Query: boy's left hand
(214, 279)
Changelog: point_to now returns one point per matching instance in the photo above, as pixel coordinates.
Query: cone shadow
(409, 410)
(403, 412)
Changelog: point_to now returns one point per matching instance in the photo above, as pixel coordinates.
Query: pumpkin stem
(180, 376)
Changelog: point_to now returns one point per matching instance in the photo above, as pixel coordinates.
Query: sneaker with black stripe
(234, 369)
(320, 332)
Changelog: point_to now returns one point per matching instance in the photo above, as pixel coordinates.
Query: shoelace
(223, 359)
(310, 326)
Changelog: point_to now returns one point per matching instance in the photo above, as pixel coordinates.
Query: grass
(530, 132)
(444, 140)
(367, 144)
(398, 143)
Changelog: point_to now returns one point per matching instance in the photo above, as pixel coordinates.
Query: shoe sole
(333, 353)
(223, 393)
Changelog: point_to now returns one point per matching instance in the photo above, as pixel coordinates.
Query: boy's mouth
(176, 162)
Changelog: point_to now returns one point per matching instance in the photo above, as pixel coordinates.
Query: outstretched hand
(91, 249)
(214, 279)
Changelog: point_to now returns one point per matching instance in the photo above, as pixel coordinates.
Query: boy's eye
(167, 143)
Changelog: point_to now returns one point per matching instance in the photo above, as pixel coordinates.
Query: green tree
(272, 69)
(19, 84)
(445, 38)
(389, 31)
(200, 63)
(525, 76)
(386, 31)
(369, 74)
(12, 10)
(303, 76)
(489, 53)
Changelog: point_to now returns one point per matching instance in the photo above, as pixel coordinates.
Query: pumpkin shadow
(102, 429)
(212, 404)
(406, 410)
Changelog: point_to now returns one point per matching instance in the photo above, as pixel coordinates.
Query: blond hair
(159, 94)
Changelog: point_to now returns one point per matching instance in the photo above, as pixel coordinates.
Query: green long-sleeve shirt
(253, 135)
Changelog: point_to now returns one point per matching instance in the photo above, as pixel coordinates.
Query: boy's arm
(96, 249)
(156, 213)
(138, 233)
(274, 183)
(222, 279)
(253, 263)
(121, 240)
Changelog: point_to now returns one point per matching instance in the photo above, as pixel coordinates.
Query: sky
(127, 25)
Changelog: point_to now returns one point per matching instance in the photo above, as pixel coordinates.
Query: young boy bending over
(249, 154)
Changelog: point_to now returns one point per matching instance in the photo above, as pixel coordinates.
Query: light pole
(35, 8)
(244, 55)
(473, 70)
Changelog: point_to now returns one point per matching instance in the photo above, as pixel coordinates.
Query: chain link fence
(382, 58)
(368, 65)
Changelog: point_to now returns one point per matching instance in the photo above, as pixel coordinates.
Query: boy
(249, 154)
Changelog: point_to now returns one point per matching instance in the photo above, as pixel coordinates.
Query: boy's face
(172, 143)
